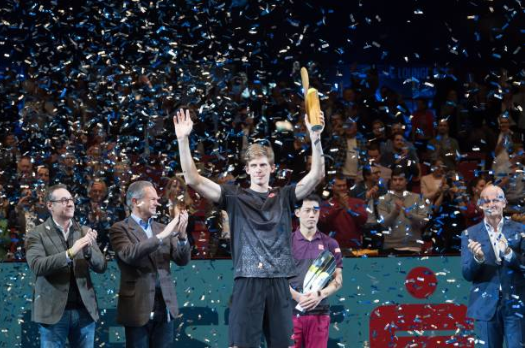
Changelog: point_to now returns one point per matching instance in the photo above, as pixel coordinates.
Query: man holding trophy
(318, 261)
(260, 225)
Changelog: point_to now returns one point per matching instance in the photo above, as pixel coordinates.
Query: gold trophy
(311, 102)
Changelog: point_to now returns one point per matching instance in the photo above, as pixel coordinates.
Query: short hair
(373, 147)
(256, 151)
(367, 170)
(339, 176)
(50, 191)
(443, 120)
(91, 184)
(136, 190)
(377, 121)
(399, 171)
(311, 197)
(398, 134)
(26, 158)
(503, 117)
(473, 183)
(436, 160)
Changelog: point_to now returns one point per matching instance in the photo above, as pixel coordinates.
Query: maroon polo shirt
(304, 253)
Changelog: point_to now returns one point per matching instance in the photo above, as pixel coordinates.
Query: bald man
(492, 259)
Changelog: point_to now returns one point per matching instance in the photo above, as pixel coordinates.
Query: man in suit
(491, 257)
(147, 301)
(60, 253)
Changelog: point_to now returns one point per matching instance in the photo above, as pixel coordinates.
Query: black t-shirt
(260, 225)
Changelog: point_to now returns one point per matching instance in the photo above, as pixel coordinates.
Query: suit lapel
(510, 234)
(136, 230)
(74, 234)
(139, 233)
(486, 243)
(54, 235)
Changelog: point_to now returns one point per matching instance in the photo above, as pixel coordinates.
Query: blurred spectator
(96, 212)
(473, 214)
(518, 100)
(402, 158)
(298, 154)
(9, 155)
(374, 157)
(504, 146)
(5, 233)
(372, 185)
(42, 176)
(69, 173)
(343, 215)
(512, 181)
(121, 178)
(443, 146)
(449, 110)
(447, 211)
(379, 137)
(335, 125)
(422, 125)
(369, 190)
(94, 164)
(24, 177)
(25, 170)
(404, 214)
(432, 184)
(395, 129)
(351, 152)
(30, 211)
(178, 197)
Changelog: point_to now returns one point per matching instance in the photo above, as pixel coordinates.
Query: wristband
(68, 252)
(319, 293)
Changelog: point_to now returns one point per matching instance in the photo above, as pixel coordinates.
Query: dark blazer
(488, 276)
(140, 259)
(46, 256)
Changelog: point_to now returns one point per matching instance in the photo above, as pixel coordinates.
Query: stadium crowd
(403, 175)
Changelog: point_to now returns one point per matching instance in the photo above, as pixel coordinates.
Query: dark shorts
(261, 306)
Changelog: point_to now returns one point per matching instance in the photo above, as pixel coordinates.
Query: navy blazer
(488, 277)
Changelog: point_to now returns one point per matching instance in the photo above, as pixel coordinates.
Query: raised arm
(316, 173)
(205, 187)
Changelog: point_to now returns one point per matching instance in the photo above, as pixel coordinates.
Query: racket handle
(299, 308)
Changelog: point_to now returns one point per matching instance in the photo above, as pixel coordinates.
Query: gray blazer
(46, 256)
(140, 259)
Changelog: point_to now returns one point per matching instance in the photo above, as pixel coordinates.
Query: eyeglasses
(64, 201)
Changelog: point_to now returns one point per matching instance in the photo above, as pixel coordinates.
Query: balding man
(492, 259)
